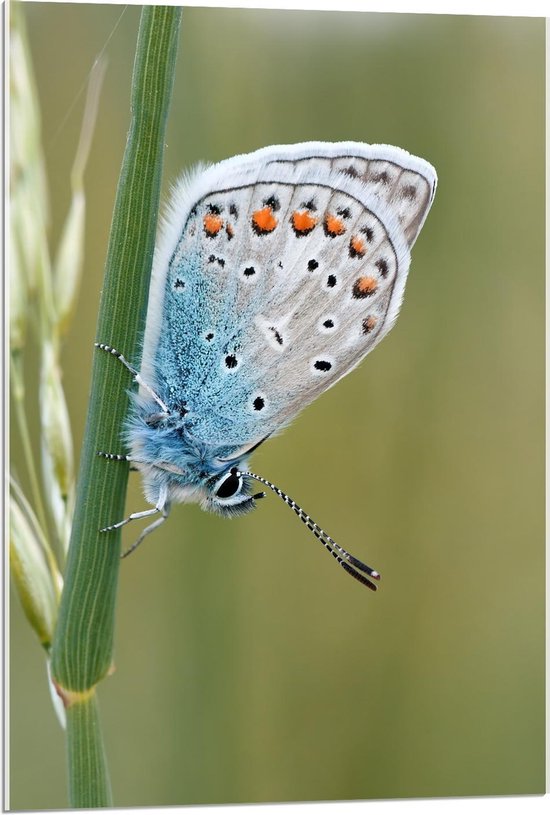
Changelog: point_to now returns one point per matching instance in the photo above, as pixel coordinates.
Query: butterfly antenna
(351, 564)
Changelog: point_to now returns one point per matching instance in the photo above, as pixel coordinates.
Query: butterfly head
(227, 493)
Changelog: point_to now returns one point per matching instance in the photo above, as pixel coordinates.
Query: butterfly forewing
(285, 270)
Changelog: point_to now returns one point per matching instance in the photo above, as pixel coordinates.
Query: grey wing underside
(286, 272)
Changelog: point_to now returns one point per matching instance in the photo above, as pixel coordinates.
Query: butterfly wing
(277, 273)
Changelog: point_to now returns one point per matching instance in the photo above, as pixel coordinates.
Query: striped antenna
(348, 562)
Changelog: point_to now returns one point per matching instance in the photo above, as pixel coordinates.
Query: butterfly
(275, 274)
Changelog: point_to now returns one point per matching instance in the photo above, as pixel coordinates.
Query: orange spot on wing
(303, 222)
(364, 287)
(212, 224)
(357, 246)
(333, 225)
(368, 324)
(263, 220)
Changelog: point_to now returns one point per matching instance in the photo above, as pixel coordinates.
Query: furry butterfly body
(276, 273)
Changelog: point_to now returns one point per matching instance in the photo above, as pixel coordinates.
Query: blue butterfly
(275, 274)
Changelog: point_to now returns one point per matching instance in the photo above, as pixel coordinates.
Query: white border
(509, 8)
(508, 805)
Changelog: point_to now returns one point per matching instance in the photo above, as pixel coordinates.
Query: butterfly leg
(148, 529)
(135, 516)
(118, 457)
(114, 456)
(137, 376)
(162, 505)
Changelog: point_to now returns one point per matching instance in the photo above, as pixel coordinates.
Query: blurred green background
(249, 667)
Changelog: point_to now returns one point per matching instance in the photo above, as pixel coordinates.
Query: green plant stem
(83, 640)
(88, 773)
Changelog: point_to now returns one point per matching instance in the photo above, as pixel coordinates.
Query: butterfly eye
(229, 485)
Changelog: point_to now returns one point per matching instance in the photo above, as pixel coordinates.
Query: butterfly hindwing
(278, 272)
